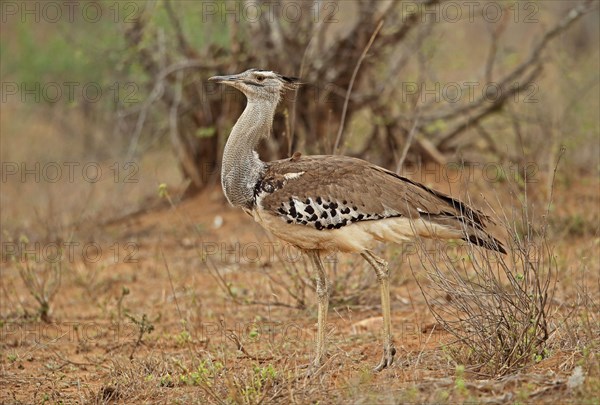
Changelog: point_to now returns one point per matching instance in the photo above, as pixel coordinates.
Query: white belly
(355, 237)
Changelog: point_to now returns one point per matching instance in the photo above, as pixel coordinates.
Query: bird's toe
(387, 359)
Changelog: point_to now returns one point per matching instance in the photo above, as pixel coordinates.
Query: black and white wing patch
(322, 213)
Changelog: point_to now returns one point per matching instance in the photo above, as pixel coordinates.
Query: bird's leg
(323, 297)
(381, 269)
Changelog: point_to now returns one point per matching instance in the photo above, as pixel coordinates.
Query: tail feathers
(469, 230)
(486, 241)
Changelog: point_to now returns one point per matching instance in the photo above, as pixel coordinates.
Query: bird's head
(256, 84)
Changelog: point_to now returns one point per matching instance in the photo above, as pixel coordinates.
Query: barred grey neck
(241, 167)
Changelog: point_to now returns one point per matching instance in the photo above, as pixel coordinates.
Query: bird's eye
(260, 78)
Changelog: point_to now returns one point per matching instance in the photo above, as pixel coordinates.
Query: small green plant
(162, 190)
(443, 396)
(254, 333)
(203, 375)
(262, 379)
(144, 327)
(166, 380)
(183, 338)
(265, 373)
(459, 381)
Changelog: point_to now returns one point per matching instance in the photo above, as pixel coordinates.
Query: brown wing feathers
(329, 192)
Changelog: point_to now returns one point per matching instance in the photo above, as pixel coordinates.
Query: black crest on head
(290, 79)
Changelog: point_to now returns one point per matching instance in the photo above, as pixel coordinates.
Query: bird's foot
(387, 359)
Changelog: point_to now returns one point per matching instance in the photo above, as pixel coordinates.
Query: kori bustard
(333, 203)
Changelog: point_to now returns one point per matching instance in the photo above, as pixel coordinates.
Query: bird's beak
(223, 79)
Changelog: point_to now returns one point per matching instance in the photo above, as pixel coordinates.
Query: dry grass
(41, 278)
(209, 346)
(496, 307)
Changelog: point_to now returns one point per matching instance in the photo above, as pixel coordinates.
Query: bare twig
(507, 92)
(181, 40)
(533, 59)
(490, 140)
(408, 143)
(495, 31)
(316, 35)
(551, 196)
(358, 63)
(240, 346)
(156, 94)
